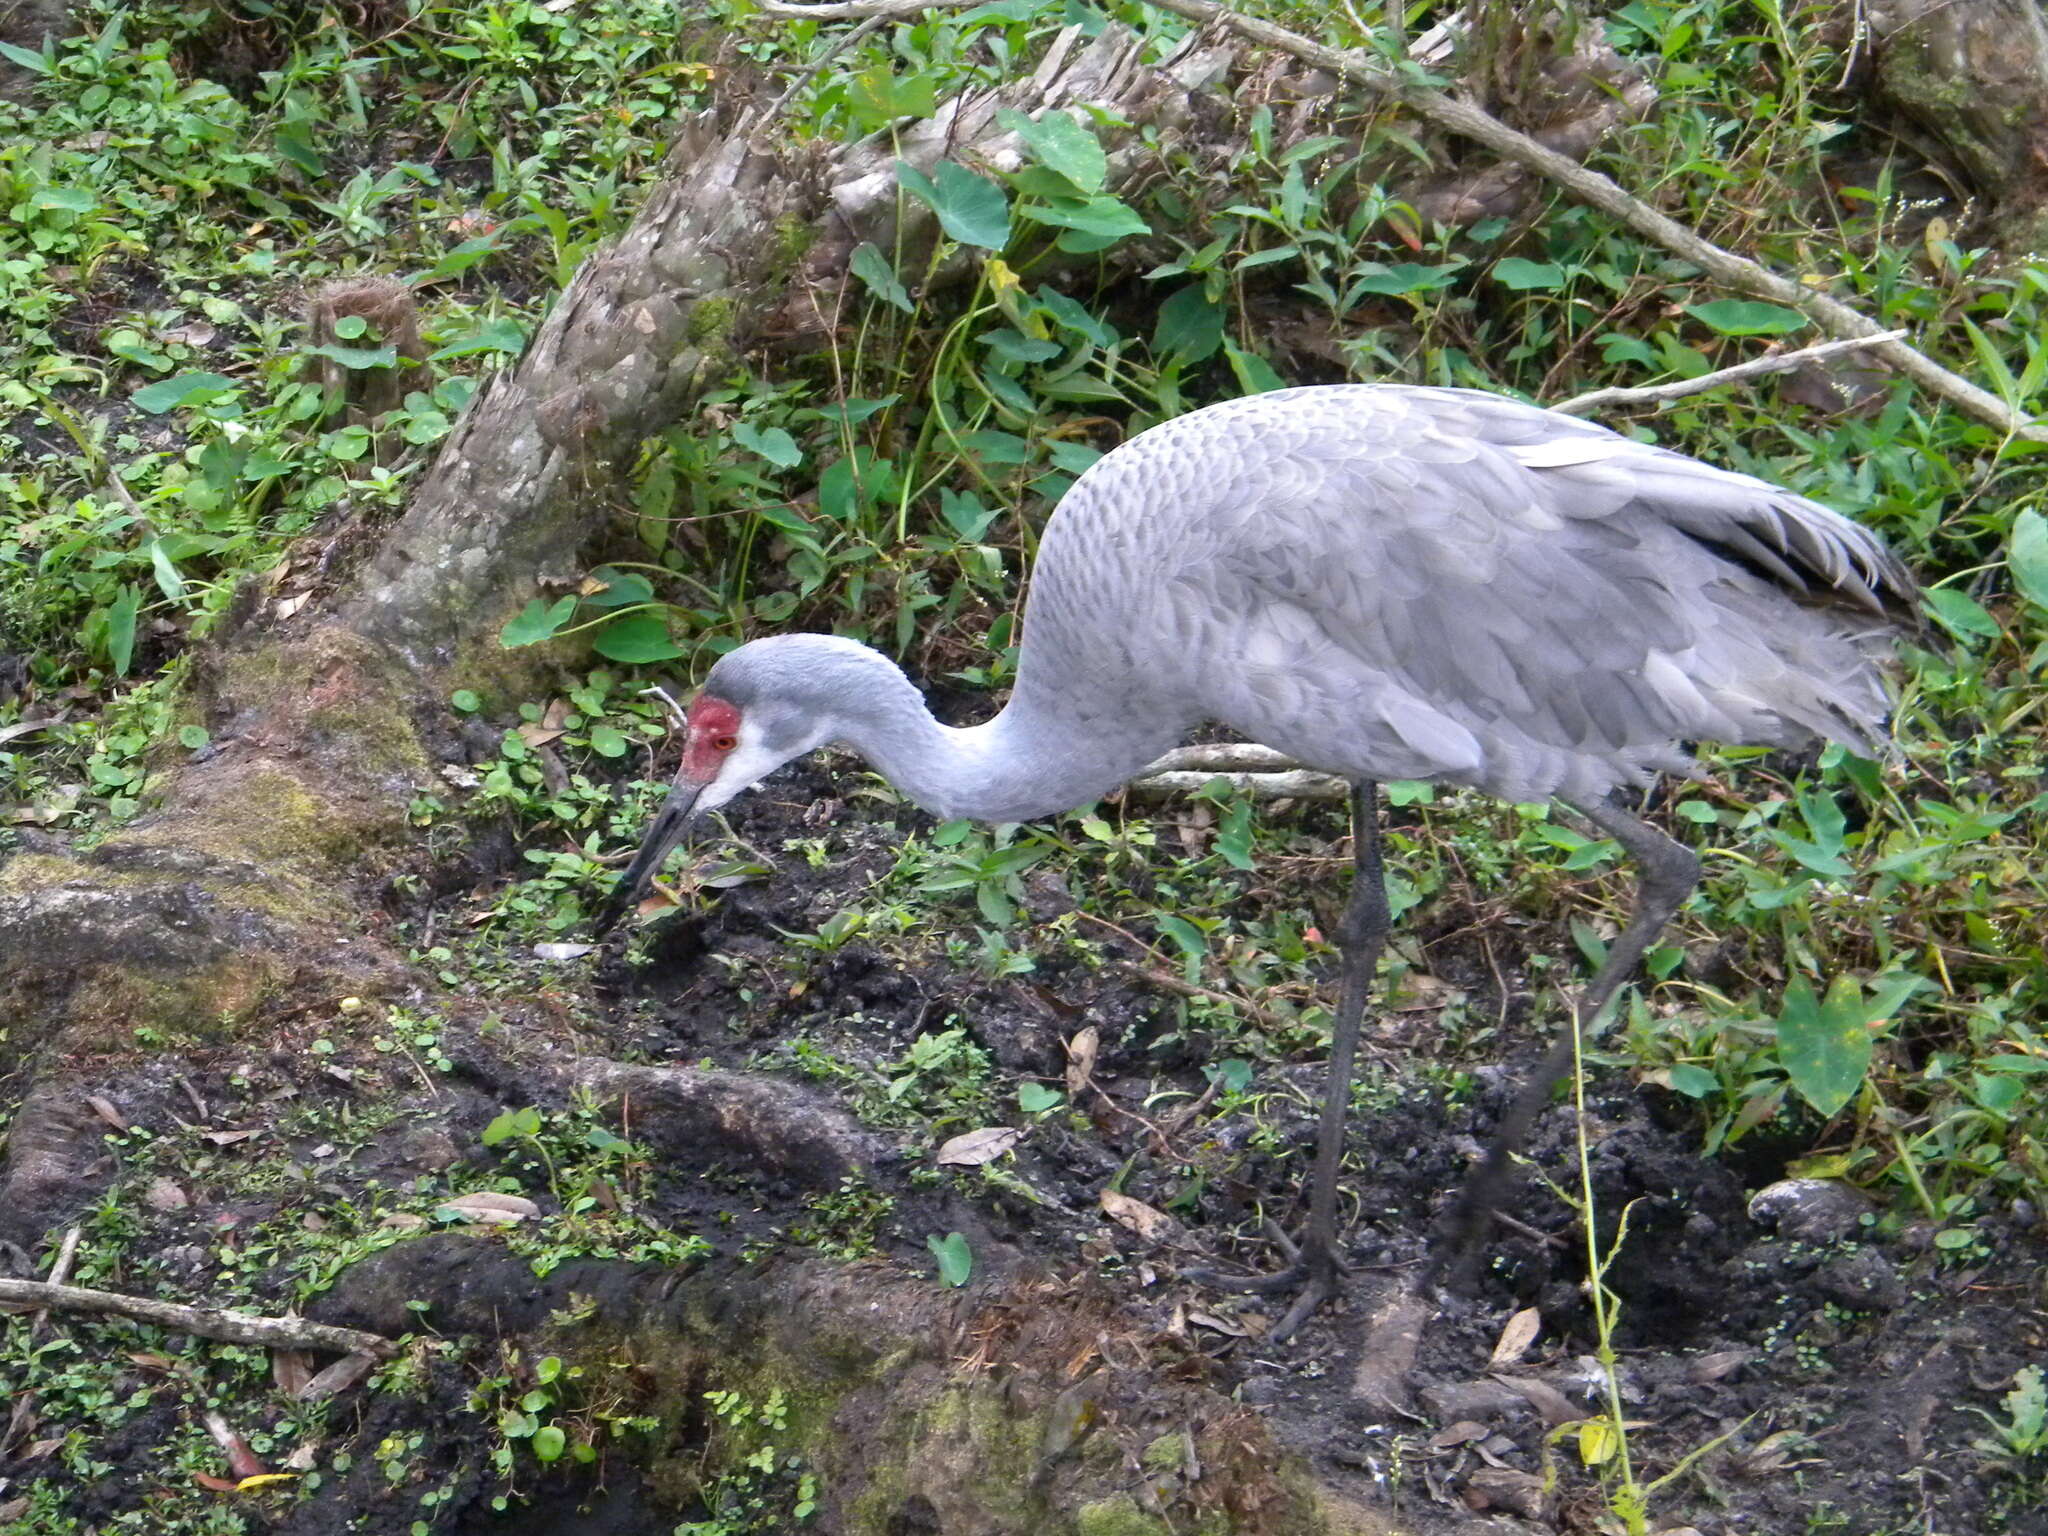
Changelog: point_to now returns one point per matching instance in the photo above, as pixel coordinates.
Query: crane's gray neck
(1046, 752)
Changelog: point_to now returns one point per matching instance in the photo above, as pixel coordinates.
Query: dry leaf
(1216, 1323)
(107, 1112)
(291, 1369)
(24, 728)
(1152, 1225)
(562, 951)
(1457, 1434)
(287, 606)
(214, 1484)
(160, 1194)
(489, 1206)
(974, 1148)
(14, 1509)
(1552, 1404)
(1516, 1337)
(337, 1378)
(226, 1138)
(404, 1221)
(1722, 1362)
(535, 735)
(1081, 1052)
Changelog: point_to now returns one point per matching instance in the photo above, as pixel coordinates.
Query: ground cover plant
(259, 261)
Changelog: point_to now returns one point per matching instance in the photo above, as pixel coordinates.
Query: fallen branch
(202, 1322)
(1756, 367)
(1222, 757)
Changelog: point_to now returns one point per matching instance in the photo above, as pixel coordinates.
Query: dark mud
(1792, 1374)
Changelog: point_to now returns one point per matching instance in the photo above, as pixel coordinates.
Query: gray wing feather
(1440, 583)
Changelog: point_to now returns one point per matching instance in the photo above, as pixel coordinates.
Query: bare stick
(832, 51)
(60, 1272)
(1590, 187)
(203, 1322)
(1166, 981)
(1756, 367)
(1222, 757)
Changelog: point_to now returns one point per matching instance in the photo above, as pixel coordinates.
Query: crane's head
(763, 704)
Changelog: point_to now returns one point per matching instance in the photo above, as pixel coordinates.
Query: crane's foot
(1310, 1277)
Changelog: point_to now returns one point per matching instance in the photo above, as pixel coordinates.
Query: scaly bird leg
(1670, 870)
(1361, 935)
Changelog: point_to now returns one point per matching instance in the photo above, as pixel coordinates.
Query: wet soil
(1792, 1370)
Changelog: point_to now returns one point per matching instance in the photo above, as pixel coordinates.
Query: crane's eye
(724, 743)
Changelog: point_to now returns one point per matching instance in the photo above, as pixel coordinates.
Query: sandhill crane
(1383, 582)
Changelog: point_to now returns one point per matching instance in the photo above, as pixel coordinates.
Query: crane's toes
(1311, 1280)
(1281, 1283)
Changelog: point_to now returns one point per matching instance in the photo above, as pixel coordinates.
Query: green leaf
(608, 741)
(1693, 1082)
(536, 622)
(1959, 613)
(1823, 1044)
(1036, 1098)
(1514, 272)
(193, 737)
(1185, 934)
(956, 1260)
(1062, 144)
(1408, 277)
(25, 58)
(1104, 216)
(622, 589)
(872, 268)
(1747, 317)
(1255, 376)
(638, 637)
(466, 701)
(549, 1442)
(771, 443)
(64, 199)
(168, 581)
(121, 628)
(180, 389)
(971, 208)
(501, 335)
(1189, 326)
(2028, 557)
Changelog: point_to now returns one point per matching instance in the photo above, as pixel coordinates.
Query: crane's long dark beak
(670, 826)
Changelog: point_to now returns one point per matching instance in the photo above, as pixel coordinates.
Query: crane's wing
(1480, 590)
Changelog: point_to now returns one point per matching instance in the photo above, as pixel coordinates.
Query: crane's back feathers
(1392, 582)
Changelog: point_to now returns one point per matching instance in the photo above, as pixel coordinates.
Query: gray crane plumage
(1384, 582)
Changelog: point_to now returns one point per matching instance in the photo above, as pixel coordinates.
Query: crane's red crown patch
(713, 727)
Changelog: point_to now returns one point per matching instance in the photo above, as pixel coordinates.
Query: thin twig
(1166, 981)
(60, 1272)
(837, 46)
(1598, 191)
(203, 1322)
(1756, 367)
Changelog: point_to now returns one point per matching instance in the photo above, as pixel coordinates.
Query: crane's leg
(1669, 871)
(1361, 934)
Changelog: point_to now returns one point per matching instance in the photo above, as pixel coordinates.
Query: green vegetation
(1861, 978)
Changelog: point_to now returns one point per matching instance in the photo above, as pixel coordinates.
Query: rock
(1810, 1210)
(1864, 1281)
(1477, 1400)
